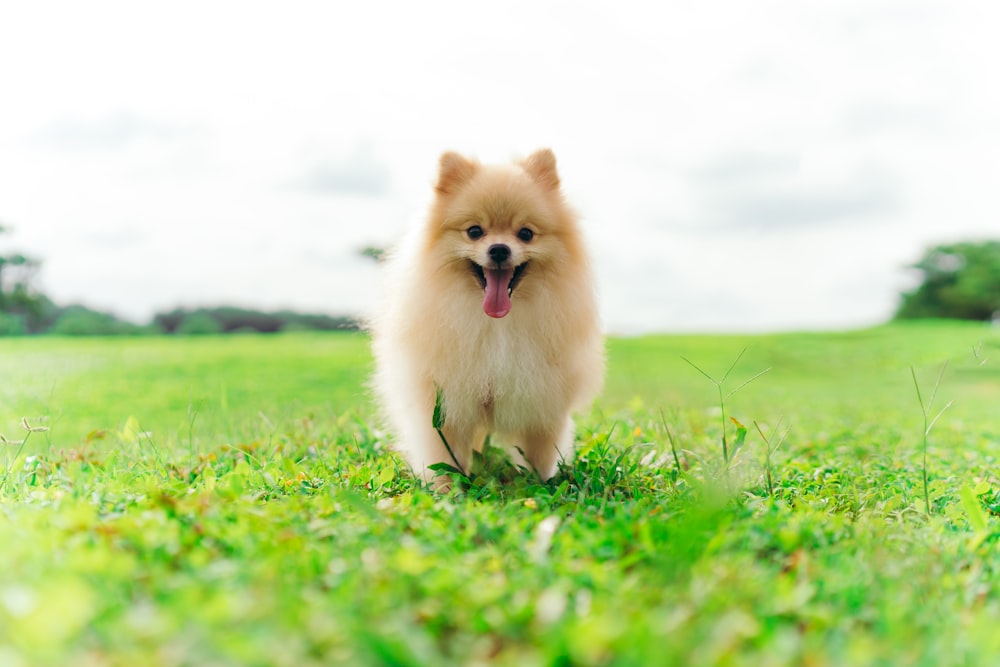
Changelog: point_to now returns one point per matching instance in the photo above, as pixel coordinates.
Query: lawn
(233, 501)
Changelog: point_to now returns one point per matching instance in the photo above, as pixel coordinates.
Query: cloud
(788, 207)
(878, 118)
(765, 191)
(118, 238)
(112, 132)
(745, 165)
(358, 174)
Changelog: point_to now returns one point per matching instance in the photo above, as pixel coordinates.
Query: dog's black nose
(499, 253)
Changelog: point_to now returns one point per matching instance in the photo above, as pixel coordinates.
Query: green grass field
(232, 501)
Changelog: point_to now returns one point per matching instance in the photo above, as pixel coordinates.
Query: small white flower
(544, 531)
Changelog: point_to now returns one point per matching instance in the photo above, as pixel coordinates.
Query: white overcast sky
(738, 165)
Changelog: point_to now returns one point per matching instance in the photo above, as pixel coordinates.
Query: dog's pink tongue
(496, 302)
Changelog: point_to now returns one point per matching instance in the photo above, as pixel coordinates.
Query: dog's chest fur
(507, 379)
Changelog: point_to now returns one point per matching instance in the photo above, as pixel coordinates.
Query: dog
(489, 323)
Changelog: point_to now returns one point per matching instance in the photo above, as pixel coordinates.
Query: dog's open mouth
(515, 279)
(498, 286)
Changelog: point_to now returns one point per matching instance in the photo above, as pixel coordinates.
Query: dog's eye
(525, 234)
(475, 232)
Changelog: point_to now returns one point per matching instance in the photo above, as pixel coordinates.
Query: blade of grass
(670, 439)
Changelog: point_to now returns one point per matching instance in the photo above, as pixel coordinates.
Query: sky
(737, 166)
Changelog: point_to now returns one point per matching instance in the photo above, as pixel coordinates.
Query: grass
(232, 501)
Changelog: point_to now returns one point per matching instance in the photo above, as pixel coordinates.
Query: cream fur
(519, 376)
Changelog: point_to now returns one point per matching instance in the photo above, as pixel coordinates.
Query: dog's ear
(455, 170)
(541, 166)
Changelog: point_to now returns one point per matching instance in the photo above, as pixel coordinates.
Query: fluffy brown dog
(489, 305)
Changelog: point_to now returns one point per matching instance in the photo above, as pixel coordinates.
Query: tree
(22, 308)
(960, 281)
(373, 252)
(199, 323)
(78, 320)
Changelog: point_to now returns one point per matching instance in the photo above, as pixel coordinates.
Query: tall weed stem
(925, 409)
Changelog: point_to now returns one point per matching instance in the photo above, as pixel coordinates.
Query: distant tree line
(228, 319)
(957, 281)
(77, 320)
(24, 310)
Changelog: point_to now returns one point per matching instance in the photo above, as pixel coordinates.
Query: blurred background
(738, 166)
